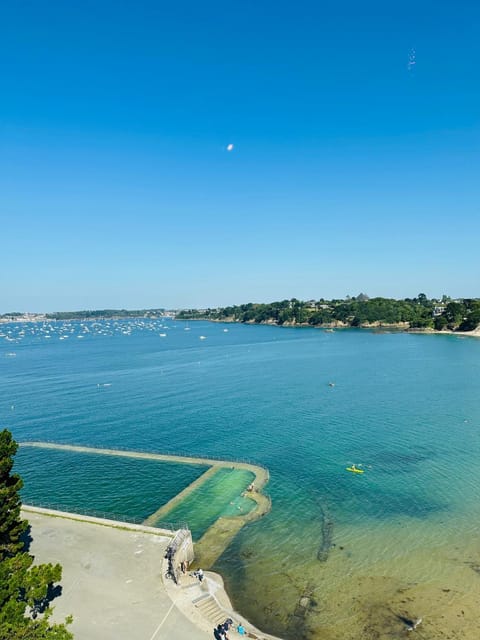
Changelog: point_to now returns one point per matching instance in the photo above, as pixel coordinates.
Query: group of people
(249, 489)
(199, 574)
(220, 631)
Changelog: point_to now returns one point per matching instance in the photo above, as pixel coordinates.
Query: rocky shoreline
(398, 326)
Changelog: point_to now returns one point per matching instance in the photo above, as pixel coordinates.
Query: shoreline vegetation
(420, 314)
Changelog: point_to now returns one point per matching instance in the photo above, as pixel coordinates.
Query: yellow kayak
(354, 470)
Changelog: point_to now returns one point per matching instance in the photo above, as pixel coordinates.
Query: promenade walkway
(220, 534)
(114, 581)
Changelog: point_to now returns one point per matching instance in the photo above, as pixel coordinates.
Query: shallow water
(219, 495)
(112, 486)
(341, 554)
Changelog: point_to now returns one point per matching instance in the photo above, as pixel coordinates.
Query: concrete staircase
(201, 597)
(210, 609)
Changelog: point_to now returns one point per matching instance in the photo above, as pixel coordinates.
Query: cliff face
(390, 325)
(336, 324)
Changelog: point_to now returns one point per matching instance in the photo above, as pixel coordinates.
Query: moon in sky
(230, 147)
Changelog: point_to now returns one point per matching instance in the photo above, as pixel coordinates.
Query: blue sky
(350, 171)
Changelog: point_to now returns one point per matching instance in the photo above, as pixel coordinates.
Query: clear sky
(353, 169)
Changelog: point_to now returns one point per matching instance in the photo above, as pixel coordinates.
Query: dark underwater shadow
(400, 460)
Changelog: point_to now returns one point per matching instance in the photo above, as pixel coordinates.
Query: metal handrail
(93, 513)
(165, 452)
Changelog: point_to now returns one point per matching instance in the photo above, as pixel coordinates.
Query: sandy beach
(469, 334)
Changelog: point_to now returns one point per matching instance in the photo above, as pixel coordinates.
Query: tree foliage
(25, 589)
(11, 525)
(359, 311)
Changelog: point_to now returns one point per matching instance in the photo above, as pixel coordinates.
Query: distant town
(98, 314)
(422, 313)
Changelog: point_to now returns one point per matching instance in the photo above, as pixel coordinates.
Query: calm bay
(340, 554)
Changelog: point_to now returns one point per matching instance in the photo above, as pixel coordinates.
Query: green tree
(471, 322)
(454, 314)
(11, 525)
(25, 590)
(440, 323)
(285, 315)
(322, 316)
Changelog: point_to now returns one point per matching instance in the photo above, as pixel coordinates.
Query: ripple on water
(404, 406)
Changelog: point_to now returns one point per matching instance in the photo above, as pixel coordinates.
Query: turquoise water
(405, 406)
(132, 488)
(219, 495)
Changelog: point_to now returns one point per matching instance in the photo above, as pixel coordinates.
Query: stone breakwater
(219, 535)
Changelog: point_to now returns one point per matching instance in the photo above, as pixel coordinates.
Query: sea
(341, 554)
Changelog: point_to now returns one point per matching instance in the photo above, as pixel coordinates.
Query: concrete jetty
(219, 535)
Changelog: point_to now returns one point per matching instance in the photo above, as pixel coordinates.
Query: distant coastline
(97, 314)
(459, 316)
(383, 328)
(446, 316)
